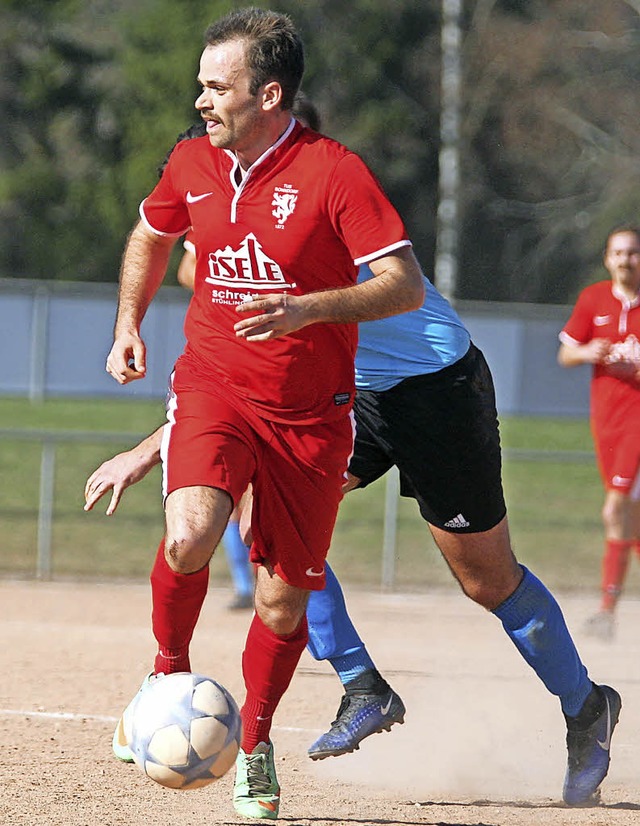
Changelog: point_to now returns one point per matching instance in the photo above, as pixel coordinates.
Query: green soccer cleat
(257, 792)
(119, 743)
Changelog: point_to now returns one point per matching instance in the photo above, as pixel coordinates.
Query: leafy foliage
(94, 92)
(550, 123)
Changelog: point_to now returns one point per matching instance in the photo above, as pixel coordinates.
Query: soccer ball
(183, 730)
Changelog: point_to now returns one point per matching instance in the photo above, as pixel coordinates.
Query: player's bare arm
(397, 288)
(593, 352)
(143, 268)
(121, 471)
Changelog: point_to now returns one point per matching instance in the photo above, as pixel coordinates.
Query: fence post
(392, 492)
(45, 509)
(38, 355)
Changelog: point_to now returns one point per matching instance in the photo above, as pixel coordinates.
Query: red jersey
(302, 219)
(601, 311)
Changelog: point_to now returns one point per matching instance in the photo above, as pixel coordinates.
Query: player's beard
(238, 132)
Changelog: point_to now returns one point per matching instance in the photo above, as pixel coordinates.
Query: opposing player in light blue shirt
(412, 344)
(425, 402)
(425, 341)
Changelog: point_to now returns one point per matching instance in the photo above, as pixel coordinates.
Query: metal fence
(50, 440)
(59, 335)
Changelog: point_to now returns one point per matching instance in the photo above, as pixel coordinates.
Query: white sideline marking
(101, 718)
(56, 715)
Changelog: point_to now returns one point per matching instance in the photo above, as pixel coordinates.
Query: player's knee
(490, 592)
(279, 617)
(613, 512)
(478, 592)
(187, 554)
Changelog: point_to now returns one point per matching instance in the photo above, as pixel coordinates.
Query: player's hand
(274, 315)
(116, 475)
(597, 350)
(127, 360)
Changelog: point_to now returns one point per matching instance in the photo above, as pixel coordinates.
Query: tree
(94, 92)
(94, 95)
(550, 122)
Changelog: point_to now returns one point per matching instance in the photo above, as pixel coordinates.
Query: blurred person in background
(604, 331)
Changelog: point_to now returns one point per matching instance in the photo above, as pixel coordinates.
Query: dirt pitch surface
(483, 742)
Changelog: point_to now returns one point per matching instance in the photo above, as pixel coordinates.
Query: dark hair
(198, 130)
(304, 110)
(274, 48)
(621, 228)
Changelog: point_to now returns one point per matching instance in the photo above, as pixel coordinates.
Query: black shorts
(441, 430)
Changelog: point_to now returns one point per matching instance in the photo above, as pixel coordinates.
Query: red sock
(268, 663)
(177, 600)
(614, 569)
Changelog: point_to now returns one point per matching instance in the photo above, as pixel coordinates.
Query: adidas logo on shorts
(457, 522)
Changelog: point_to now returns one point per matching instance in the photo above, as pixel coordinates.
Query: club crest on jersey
(284, 200)
(245, 268)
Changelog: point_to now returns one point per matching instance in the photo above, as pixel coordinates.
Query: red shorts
(618, 455)
(296, 472)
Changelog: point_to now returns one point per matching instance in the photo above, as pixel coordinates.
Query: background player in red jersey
(604, 330)
(262, 394)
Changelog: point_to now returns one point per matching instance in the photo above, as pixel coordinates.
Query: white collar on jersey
(266, 153)
(627, 303)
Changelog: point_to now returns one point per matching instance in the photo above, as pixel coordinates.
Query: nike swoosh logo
(193, 199)
(385, 709)
(604, 744)
(311, 572)
(267, 804)
(258, 717)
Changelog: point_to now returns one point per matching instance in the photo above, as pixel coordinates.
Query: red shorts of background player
(618, 455)
(296, 471)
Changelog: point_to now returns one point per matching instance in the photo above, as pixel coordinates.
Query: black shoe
(589, 745)
(369, 705)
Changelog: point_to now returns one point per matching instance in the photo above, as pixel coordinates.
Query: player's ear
(271, 95)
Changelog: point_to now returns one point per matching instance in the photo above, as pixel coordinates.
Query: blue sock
(332, 635)
(237, 555)
(534, 621)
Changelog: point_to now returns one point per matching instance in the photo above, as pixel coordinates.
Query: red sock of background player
(268, 663)
(177, 600)
(614, 569)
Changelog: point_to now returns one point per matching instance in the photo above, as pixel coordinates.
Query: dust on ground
(483, 742)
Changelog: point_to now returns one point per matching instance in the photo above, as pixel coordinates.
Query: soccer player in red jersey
(604, 330)
(263, 391)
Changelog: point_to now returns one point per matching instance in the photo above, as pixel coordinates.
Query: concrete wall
(54, 338)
